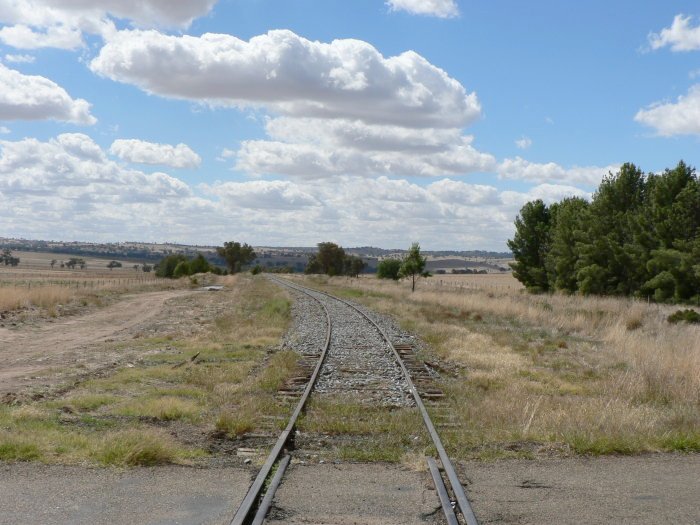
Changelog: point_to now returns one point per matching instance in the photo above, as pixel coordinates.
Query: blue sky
(290, 122)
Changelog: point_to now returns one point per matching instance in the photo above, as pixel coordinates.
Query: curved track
(255, 505)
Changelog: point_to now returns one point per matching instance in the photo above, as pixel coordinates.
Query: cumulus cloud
(264, 195)
(523, 143)
(309, 160)
(133, 150)
(524, 170)
(69, 188)
(681, 36)
(549, 193)
(4, 130)
(674, 118)
(33, 24)
(290, 75)
(438, 8)
(26, 97)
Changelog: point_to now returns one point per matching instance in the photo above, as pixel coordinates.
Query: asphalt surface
(39, 494)
(654, 489)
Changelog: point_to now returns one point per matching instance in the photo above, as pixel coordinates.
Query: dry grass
(541, 373)
(128, 417)
(34, 284)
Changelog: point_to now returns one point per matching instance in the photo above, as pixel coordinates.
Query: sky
(363, 122)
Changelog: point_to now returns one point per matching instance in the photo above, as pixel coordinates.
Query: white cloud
(681, 36)
(524, 170)
(4, 130)
(264, 195)
(19, 59)
(69, 188)
(132, 150)
(33, 24)
(25, 97)
(438, 8)
(549, 193)
(291, 75)
(674, 118)
(523, 143)
(24, 37)
(310, 160)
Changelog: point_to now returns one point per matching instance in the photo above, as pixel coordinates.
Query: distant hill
(273, 256)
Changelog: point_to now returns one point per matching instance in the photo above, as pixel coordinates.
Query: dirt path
(41, 355)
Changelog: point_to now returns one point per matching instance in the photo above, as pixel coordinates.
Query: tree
(8, 259)
(236, 255)
(389, 269)
(76, 261)
(530, 245)
(199, 265)
(147, 268)
(114, 264)
(413, 265)
(329, 260)
(166, 267)
(610, 260)
(181, 270)
(53, 263)
(332, 260)
(568, 223)
(353, 265)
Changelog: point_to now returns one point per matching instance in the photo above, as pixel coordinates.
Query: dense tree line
(332, 260)
(639, 236)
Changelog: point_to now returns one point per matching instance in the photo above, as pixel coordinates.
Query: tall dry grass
(597, 374)
(45, 290)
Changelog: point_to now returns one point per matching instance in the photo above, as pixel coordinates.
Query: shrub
(687, 316)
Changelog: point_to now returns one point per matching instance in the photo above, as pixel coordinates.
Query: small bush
(686, 316)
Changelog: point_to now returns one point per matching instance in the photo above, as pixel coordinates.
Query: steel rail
(249, 502)
(270, 494)
(457, 488)
(442, 493)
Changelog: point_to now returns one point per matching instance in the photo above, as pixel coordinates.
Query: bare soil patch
(48, 353)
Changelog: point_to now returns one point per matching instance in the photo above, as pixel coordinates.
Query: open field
(547, 375)
(35, 284)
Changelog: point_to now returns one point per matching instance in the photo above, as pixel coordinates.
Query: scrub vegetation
(527, 376)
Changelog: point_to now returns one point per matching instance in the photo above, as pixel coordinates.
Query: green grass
(164, 408)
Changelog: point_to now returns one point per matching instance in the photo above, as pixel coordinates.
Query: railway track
(394, 361)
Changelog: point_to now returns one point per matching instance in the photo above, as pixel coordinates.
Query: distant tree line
(236, 255)
(639, 236)
(332, 260)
